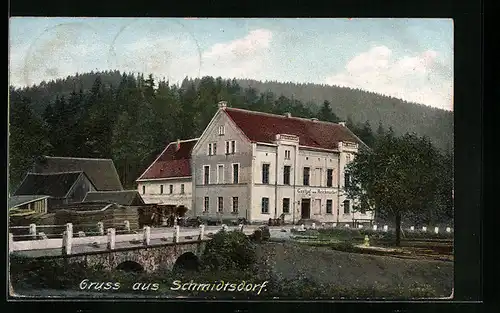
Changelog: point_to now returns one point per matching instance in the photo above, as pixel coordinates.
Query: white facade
(175, 191)
(322, 199)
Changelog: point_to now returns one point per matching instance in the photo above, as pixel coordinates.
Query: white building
(167, 181)
(257, 166)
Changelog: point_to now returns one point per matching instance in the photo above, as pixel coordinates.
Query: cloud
(60, 51)
(245, 57)
(178, 56)
(418, 78)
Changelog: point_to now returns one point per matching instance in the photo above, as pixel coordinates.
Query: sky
(410, 59)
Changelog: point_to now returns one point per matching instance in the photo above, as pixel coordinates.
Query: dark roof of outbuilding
(101, 172)
(52, 184)
(122, 197)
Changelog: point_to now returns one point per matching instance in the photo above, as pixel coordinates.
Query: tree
(326, 114)
(366, 134)
(27, 140)
(399, 177)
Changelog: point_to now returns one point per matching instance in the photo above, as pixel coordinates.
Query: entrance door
(306, 208)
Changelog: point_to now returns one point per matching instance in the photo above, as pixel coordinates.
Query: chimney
(288, 114)
(342, 124)
(178, 145)
(314, 119)
(222, 104)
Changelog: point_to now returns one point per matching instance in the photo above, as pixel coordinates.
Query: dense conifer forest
(130, 118)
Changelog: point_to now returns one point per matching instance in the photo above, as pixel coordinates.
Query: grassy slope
(351, 270)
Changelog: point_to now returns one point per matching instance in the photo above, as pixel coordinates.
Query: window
(236, 173)
(347, 180)
(220, 204)
(206, 175)
(265, 205)
(318, 175)
(286, 175)
(206, 204)
(307, 173)
(286, 205)
(171, 189)
(287, 154)
(182, 188)
(227, 147)
(346, 207)
(143, 189)
(265, 173)
(220, 174)
(212, 149)
(221, 130)
(329, 177)
(329, 206)
(161, 189)
(235, 204)
(233, 147)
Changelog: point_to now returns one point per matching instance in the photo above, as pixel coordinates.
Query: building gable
(211, 134)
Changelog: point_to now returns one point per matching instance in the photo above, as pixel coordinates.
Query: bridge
(148, 249)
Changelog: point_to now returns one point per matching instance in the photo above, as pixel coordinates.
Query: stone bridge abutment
(144, 258)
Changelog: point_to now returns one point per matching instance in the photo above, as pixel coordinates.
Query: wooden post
(68, 239)
(33, 231)
(100, 228)
(11, 242)
(202, 232)
(127, 226)
(176, 233)
(111, 238)
(147, 235)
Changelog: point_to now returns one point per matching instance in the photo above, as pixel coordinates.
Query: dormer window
(221, 130)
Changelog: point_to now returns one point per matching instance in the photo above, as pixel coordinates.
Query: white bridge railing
(111, 238)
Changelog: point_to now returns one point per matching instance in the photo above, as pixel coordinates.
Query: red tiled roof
(263, 127)
(172, 162)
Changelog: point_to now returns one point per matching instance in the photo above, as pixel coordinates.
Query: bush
(56, 273)
(229, 250)
(340, 233)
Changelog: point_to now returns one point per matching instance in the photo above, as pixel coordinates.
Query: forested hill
(130, 118)
(346, 103)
